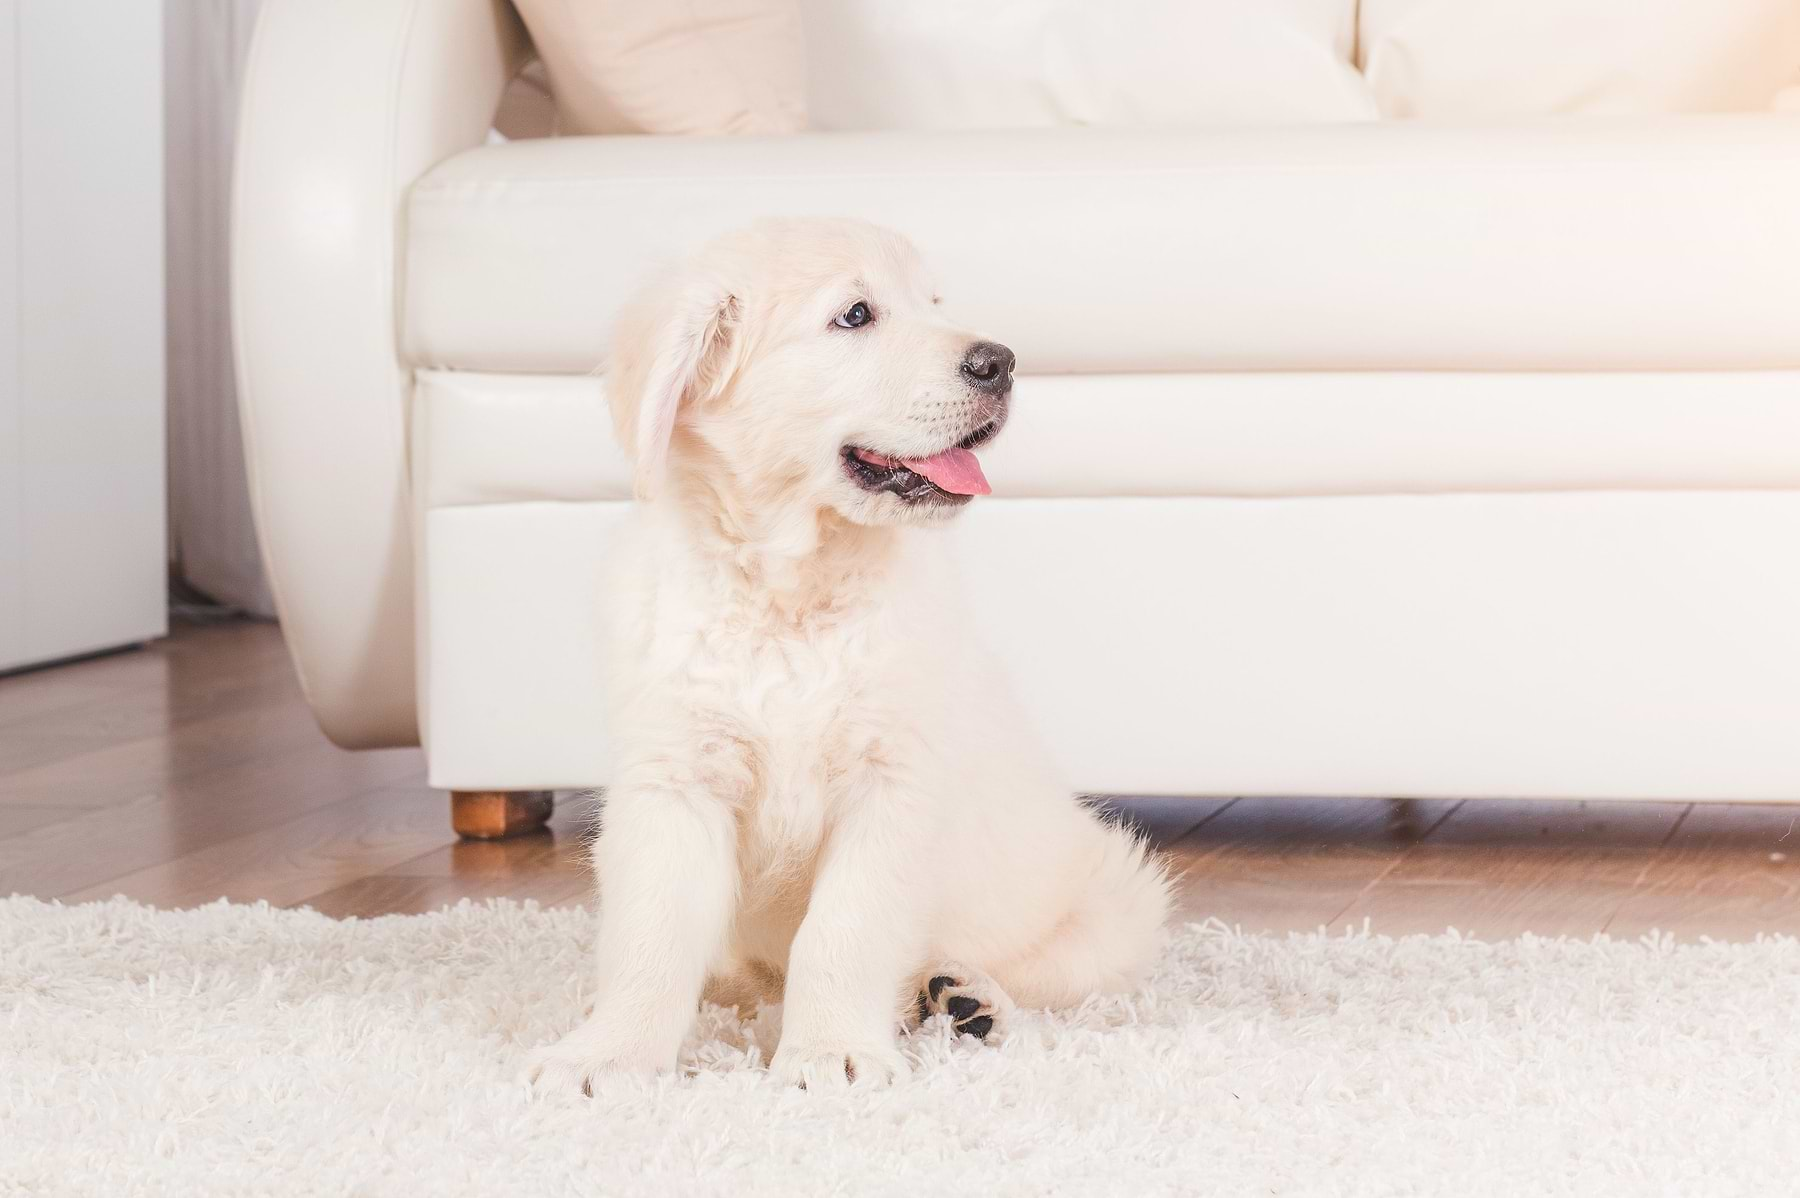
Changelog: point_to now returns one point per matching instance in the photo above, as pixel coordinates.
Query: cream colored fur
(824, 786)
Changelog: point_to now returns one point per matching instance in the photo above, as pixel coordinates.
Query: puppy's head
(807, 363)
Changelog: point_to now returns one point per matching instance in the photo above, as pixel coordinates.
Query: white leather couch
(1388, 458)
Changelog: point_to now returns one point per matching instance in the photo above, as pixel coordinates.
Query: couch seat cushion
(481, 439)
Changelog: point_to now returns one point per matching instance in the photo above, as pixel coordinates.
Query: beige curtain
(212, 542)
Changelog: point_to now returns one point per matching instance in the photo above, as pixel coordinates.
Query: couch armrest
(346, 102)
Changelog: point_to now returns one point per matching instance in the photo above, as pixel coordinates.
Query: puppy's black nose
(988, 366)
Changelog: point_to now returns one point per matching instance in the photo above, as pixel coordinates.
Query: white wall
(82, 541)
(12, 412)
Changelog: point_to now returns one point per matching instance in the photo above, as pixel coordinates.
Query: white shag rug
(249, 1050)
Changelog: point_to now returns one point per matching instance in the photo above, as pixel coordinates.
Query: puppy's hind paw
(973, 1001)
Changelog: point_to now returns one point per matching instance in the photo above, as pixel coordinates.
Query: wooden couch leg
(497, 814)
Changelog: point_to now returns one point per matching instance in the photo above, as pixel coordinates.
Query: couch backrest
(1476, 58)
(965, 64)
(927, 64)
(997, 64)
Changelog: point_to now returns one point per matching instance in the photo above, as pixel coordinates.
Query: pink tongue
(954, 470)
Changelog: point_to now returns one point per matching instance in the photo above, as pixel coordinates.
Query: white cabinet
(83, 550)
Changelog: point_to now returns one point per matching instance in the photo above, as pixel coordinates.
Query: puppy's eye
(855, 316)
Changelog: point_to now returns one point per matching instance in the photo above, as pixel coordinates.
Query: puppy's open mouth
(950, 476)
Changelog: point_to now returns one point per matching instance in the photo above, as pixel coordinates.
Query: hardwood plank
(56, 712)
(160, 825)
(40, 689)
(67, 732)
(562, 851)
(53, 689)
(390, 894)
(535, 854)
(1731, 872)
(296, 859)
(193, 769)
(1499, 868)
(1293, 864)
(550, 867)
(1162, 819)
(125, 770)
(16, 818)
(210, 654)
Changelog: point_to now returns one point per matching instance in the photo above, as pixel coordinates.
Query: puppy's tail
(1114, 930)
(1131, 893)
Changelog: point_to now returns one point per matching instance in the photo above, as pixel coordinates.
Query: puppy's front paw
(833, 1067)
(974, 1001)
(589, 1052)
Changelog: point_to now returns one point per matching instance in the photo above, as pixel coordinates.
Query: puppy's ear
(673, 348)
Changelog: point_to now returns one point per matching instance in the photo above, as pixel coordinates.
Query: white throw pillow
(1004, 64)
(647, 66)
(1465, 58)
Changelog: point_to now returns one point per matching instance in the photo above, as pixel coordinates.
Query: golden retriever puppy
(825, 793)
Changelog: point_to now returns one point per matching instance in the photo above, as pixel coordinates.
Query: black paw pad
(936, 985)
(979, 1027)
(962, 1007)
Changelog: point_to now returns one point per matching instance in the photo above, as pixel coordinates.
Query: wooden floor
(191, 770)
